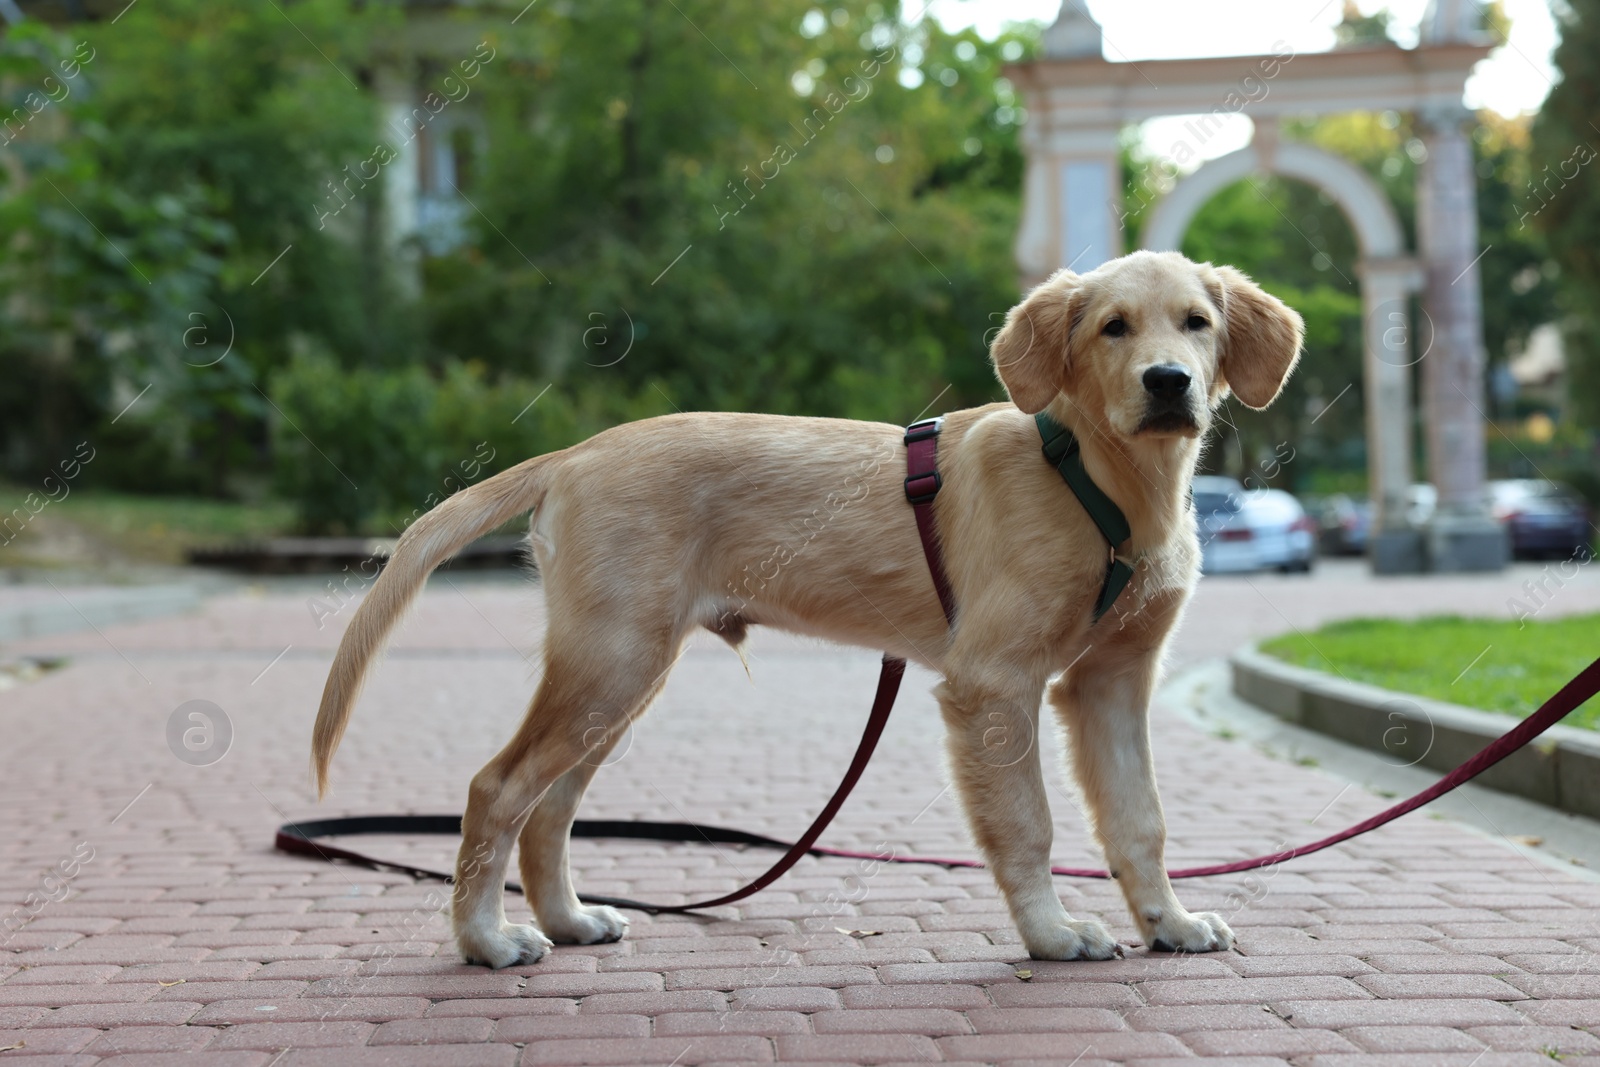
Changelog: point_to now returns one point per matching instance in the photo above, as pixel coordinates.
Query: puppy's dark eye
(1115, 328)
(1198, 322)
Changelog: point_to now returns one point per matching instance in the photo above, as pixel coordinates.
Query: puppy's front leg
(1105, 706)
(993, 731)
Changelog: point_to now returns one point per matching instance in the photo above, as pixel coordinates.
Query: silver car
(1251, 530)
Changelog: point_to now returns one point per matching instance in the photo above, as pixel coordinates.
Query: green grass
(1495, 665)
(143, 528)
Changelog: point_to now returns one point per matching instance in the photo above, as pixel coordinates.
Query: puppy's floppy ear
(1030, 352)
(1261, 337)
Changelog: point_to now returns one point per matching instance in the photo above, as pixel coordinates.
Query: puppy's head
(1147, 345)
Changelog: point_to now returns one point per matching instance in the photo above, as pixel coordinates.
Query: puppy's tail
(431, 540)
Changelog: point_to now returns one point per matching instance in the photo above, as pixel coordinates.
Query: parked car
(1543, 518)
(1264, 529)
(1345, 526)
(1216, 500)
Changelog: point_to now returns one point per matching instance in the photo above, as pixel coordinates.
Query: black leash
(301, 837)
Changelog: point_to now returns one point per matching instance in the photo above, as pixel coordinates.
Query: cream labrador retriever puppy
(651, 529)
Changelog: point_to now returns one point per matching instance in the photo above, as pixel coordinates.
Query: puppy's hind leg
(586, 684)
(542, 851)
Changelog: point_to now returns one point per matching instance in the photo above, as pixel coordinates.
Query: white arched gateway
(1073, 207)
(1388, 279)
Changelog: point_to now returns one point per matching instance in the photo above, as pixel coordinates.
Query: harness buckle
(921, 431)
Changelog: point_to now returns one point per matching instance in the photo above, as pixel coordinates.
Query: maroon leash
(922, 484)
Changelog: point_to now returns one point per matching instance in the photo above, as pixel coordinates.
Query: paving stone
(796, 998)
(1061, 1047)
(393, 1056)
(936, 1022)
(879, 1048)
(1412, 1039)
(685, 1050)
(655, 1003)
(126, 1040)
(438, 1031)
(40, 1042)
(273, 1036)
(1044, 1020)
(735, 978)
(530, 1028)
(1549, 1040)
(1188, 1018)
(364, 1009)
(492, 1008)
(1339, 1014)
(109, 1015)
(1252, 990)
(1437, 985)
(1061, 994)
(210, 1059)
(696, 1023)
(1296, 966)
(1285, 1042)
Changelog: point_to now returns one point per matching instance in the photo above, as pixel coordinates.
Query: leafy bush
(366, 451)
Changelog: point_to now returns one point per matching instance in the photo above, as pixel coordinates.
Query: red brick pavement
(183, 933)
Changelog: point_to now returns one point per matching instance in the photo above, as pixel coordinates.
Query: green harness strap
(1061, 449)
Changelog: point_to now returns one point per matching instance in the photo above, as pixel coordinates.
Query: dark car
(1543, 518)
(1345, 525)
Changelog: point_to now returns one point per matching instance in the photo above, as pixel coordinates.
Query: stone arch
(1078, 105)
(1388, 278)
(1361, 199)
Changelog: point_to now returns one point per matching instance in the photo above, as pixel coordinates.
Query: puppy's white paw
(590, 924)
(1076, 939)
(1183, 931)
(510, 945)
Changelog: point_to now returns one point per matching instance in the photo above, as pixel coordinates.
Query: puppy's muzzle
(1169, 406)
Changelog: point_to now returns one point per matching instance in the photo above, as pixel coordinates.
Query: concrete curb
(82, 609)
(1560, 769)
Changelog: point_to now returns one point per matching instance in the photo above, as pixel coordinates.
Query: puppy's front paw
(590, 924)
(1182, 931)
(1076, 939)
(508, 946)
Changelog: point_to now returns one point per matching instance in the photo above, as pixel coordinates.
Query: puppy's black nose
(1166, 381)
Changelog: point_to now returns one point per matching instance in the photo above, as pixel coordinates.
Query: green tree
(1561, 198)
(811, 214)
(143, 211)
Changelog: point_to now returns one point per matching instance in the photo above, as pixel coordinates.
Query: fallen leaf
(1527, 839)
(19, 1044)
(1026, 976)
(858, 934)
(169, 985)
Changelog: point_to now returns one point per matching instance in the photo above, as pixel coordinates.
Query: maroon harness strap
(922, 484)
